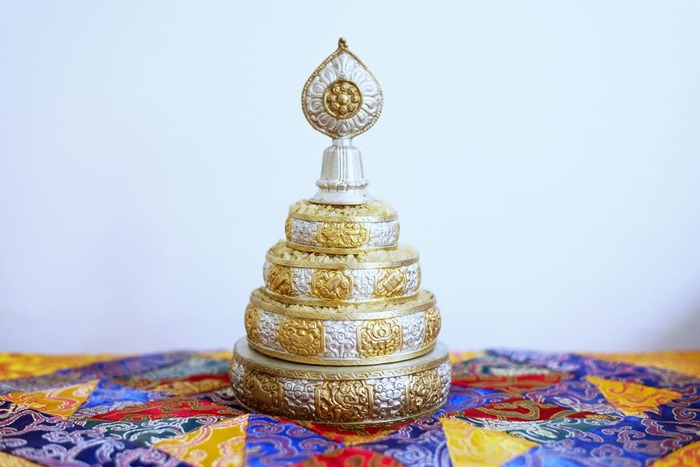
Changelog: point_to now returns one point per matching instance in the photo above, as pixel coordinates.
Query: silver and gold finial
(342, 99)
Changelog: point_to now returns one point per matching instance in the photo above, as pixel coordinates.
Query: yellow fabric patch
(632, 398)
(221, 444)
(7, 460)
(61, 402)
(16, 365)
(462, 356)
(470, 445)
(681, 361)
(688, 455)
(216, 355)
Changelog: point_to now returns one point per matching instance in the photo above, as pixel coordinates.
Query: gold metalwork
(375, 211)
(339, 362)
(343, 401)
(263, 388)
(432, 324)
(244, 355)
(342, 99)
(379, 337)
(299, 333)
(288, 228)
(341, 396)
(421, 390)
(336, 303)
(301, 336)
(337, 251)
(280, 279)
(392, 283)
(339, 265)
(252, 316)
(332, 285)
(342, 235)
(424, 301)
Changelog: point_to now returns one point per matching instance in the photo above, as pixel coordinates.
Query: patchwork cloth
(505, 408)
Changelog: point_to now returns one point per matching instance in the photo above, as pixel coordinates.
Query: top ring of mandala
(342, 98)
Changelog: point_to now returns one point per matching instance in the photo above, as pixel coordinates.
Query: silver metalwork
(289, 332)
(343, 396)
(342, 75)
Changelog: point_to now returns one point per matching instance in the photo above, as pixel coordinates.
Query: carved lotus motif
(342, 98)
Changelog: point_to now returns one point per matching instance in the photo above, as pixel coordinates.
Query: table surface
(504, 407)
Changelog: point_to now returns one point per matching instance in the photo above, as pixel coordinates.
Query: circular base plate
(345, 396)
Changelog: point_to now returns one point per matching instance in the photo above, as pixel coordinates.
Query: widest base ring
(344, 396)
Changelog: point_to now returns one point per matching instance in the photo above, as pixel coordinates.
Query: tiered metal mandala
(341, 333)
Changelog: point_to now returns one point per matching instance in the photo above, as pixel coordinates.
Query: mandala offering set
(341, 333)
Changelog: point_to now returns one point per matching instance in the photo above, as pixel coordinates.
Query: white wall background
(543, 157)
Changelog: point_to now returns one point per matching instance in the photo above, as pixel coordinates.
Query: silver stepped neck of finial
(342, 179)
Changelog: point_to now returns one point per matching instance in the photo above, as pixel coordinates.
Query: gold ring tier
(344, 396)
(297, 277)
(364, 334)
(342, 230)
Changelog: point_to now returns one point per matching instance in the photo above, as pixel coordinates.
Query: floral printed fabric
(505, 408)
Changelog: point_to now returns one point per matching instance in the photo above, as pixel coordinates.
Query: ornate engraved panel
(341, 340)
(302, 282)
(343, 401)
(301, 336)
(391, 283)
(390, 398)
(342, 235)
(331, 284)
(424, 390)
(279, 279)
(413, 277)
(379, 337)
(252, 316)
(384, 234)
(288, 228)
(299, 396)
(264, 390)
(413, 327)
(268, 323)
(432, 324)
(237, 375)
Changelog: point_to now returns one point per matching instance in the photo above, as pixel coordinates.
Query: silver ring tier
(344, 396)
(342, 337)
(338, 283)
(341, 237)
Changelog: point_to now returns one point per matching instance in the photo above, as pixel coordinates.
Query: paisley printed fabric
(505, 407)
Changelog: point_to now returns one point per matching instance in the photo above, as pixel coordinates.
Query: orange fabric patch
(61, 402)
(17, 365)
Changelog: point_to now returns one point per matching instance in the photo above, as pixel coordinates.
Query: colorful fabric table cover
(505, 408)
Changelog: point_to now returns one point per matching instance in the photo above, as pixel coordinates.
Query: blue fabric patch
(270, 441)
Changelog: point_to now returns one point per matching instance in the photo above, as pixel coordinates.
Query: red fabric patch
(350, 457)
(513, 384)
(519, 409)
(174, 407)
(356, 435)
